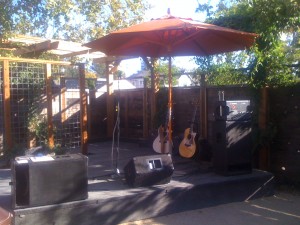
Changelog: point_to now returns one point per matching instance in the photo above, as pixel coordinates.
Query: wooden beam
(37, 48)
(35, 61)
(76, 53)
(48, 79)
(7, 109)
(83, 110)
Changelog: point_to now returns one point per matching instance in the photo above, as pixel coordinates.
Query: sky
(179, 8)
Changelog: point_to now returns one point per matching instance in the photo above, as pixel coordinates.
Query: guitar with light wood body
(187, 147)
(161, 143)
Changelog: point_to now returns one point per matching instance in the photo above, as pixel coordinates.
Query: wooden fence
(281, 122)
(278, 117)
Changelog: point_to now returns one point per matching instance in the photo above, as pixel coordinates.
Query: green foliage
(225, 69)
(74, 20)
(119, 74)
(38, 128)
(91, 79)
(162, 68)
(273, 61)
(100, 69)
(270, 57)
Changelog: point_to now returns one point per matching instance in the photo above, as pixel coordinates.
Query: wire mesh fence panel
(67, 107)
(28, 106)
(1, 111)
(27, 88)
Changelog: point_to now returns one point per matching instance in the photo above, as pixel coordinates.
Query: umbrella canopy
(172, 36)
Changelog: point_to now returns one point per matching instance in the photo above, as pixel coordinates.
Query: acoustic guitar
(161, 143)
(187, 147)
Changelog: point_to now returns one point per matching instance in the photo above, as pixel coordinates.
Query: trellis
(35, 88)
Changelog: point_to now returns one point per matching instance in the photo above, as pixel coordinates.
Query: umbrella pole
(170, 105)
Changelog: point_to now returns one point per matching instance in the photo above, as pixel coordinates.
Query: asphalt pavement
(281, 209)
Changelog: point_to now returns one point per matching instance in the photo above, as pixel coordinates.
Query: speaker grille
(232, 147)
(63, 179)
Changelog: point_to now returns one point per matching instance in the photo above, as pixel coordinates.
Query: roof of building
(139, 74)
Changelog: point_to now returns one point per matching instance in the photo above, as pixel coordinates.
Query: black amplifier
(47, 180)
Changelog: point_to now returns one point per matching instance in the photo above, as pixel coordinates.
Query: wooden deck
(110, 200)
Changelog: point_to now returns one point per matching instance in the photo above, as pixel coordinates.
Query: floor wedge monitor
(149, 170)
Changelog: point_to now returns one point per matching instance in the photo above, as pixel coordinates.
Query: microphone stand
(115, 165)
(115, 160)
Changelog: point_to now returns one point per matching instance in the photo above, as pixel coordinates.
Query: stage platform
(111, 201)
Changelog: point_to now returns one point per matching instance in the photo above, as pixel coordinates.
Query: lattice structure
(1, 111)
(27, 85)
(67, 111)
(28, 105)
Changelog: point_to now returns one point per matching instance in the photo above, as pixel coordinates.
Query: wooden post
(49, 105)
(7, 109)
(63, 106)
(264, 152)
(203, 108)
(145, 110)
(83, 110)
(170, 104)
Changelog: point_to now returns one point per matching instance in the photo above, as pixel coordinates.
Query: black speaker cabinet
(46, 180)
(232, 147)
(149, 170)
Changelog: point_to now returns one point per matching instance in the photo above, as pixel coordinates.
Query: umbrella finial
(169, 11)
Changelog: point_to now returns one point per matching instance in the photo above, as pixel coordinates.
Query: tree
(73, 20)
(224, 69)
(269, 58)
(162, 68)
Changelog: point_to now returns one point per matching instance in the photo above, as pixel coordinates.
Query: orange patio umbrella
(172, 36)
